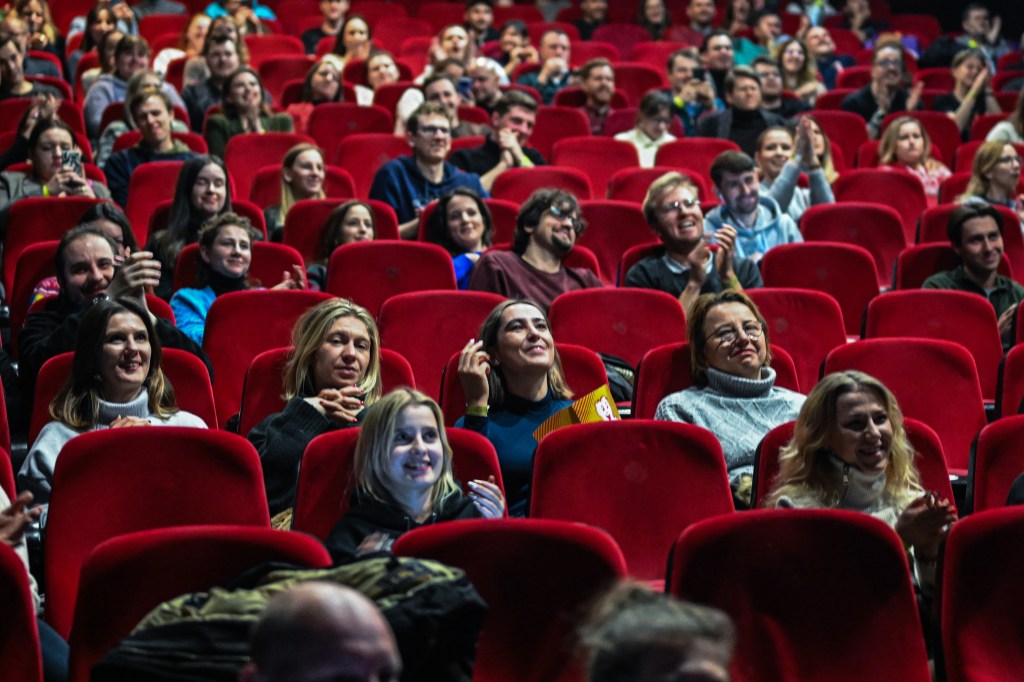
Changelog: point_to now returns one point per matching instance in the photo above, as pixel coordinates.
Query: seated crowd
(186, 168)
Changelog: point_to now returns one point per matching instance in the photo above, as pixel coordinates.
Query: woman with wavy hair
(906, 144)
(850, 451)
(995, 177)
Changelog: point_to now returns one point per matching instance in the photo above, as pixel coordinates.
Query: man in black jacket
(744, 119)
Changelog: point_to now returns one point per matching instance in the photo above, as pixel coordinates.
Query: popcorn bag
(596, 406)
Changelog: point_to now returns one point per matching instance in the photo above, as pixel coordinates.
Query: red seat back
(363, 154)
(19, 632)
(266, 185)
(892, 187)
(617, 321)
(597, 157)
(518, 184)
(874, 227)
(187, 477)
(630, 184)
(612, 228)
(246, 153)
(149, 185)
(553, 124)
(744, 565)
(996, 462)
(304, 224)
(526, 634)
(696, 153)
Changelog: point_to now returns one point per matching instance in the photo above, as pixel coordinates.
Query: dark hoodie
(367, 515)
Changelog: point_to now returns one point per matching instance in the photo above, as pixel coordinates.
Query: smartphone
(698, 73)
(72, 160)
(464, 86)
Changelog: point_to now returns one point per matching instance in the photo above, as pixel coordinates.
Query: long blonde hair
(377, 438)
(287, 195)
(887, 147)
(803, 463)
(985, 159)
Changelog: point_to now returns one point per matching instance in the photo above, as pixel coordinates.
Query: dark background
(948, 13)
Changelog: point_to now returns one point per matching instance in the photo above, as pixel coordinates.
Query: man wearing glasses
(689, 263)
(546, 230)
(886, 92)
(409, 183)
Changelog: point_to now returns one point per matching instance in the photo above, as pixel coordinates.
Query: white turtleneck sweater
(36, 473)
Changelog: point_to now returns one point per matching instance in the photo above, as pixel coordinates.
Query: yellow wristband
(733, 282)
(46, 191)
(477, 410)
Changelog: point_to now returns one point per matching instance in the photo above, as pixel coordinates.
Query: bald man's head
(322, 631)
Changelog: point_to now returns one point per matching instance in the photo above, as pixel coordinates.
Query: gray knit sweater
(36, 473)
(738, 411)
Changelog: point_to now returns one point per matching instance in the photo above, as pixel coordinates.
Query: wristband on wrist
(476, 410)
(733, 282)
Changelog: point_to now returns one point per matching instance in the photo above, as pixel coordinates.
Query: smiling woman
(244, 111)
(331, 376)
(461, 223)
(403, 478)
(734, 394)
(115, 382)
(513, 381)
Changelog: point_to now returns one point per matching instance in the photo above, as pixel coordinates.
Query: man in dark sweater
(153, 114)
(512, 122)
(333, 12)
(221, 55)
(886, 92)
(744, 119)
(686, 266)
(546, 230)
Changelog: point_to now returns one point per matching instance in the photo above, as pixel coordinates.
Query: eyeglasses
(889, 63)
(727, 337)
(431, 131)
(1008, 159)
(676, 206)
(561, 212)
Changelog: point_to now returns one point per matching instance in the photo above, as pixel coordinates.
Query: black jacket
(367, 515)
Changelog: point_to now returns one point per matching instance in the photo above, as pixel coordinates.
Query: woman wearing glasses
(995, 177)
(734, 393)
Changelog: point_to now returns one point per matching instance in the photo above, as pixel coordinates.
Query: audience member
(653, 16)
(734, 393)
(653, 119)
(976, 233)
(439, 87)
(554, 73)
(354, 40)
(322, 631)
(514, 47)
(452, 42)
(115, 382)
(765, 36)
(971, 96)
(190, 48)
(690, 262)
(488, 77)
(144, 8)
(511, 127)
(381, 69)
(131, 56)
(906, 144)
(597, 81)
(981, 32)
(635, 633)
(12, 76)
(773, 99)
(738, 15)
(302, 177)
(333, 13)
(744, 119)
(404, 480)
(409, 183)
(248, 15)
(546, 231)
(15, 28)
(857, 18)
(995, 177)
(690, 90)
(153, 116)
(225, 254)
(244, 110)
(222, 60)
(142, 80)
(50, 173)
(330, 378)
(513, 380)
(886, 92)
(850, 451)
(799, 70)
(461, 223)
(593, 13)
(821, 146)
(700, 14)
(106, 49)
(821, 46)
(759, 222)
(781, 159)
(202, 192)
(42, 108)
(352, 221)
(98, 22)
(478, 20)
(719, 59)
(322, 85)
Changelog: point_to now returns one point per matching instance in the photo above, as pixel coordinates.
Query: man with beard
(546, 230)
(409, 183)
(759, 222)
(597, 81)
(886, 92)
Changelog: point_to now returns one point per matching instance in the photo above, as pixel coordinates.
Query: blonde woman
(905, 144)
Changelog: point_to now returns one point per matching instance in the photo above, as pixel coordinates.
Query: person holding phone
(56, 169)
(690, 92)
